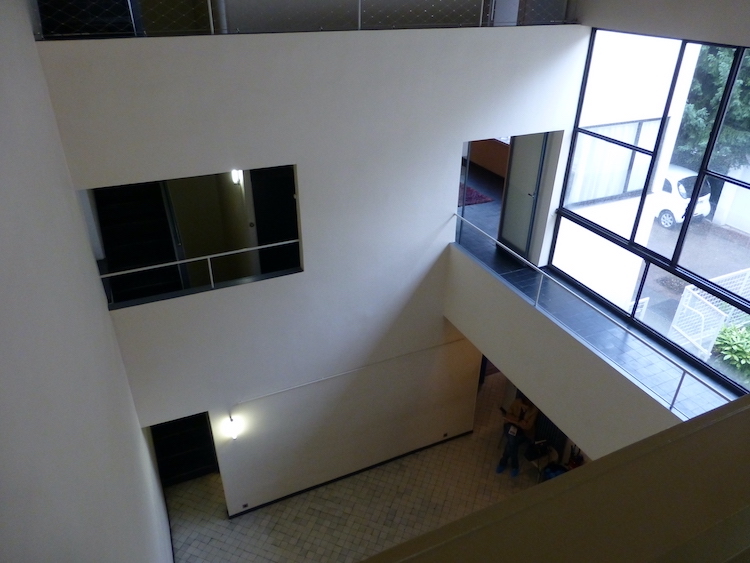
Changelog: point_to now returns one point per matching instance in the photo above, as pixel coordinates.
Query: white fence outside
(700, 316)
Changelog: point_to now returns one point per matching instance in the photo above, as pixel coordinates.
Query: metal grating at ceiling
(540, 12)
(126, 18)
(395, 14)
(271, 16)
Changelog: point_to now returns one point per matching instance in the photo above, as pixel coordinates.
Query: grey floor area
(359, 516)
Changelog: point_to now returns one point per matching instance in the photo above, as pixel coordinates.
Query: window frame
(650, 257)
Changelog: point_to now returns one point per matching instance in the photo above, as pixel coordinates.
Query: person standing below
(518, 428)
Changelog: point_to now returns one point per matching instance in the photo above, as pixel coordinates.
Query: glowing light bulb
(233, 426)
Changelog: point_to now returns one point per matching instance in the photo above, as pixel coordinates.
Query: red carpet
(472, 196)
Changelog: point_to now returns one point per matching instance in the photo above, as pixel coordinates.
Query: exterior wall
(76, 479)
(733, 202)
(375, 123)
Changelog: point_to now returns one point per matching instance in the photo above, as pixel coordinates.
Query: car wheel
(666, 219)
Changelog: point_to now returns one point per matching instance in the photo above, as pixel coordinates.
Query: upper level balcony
(88, 19)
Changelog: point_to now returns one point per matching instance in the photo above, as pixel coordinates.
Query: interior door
(521, 190)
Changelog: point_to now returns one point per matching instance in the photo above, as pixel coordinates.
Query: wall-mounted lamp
(237, 176)
(233, 427)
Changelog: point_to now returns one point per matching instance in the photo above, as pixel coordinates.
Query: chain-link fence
(540, 12)
(401, 14)
(71, 18)
(271, 16)
(118, 18)
(700, 315)
(173, 17)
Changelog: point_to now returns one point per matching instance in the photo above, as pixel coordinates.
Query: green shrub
(733, 343)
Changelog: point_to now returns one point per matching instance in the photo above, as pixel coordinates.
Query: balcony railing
(70, 19)
(680, 389)
(193, 275)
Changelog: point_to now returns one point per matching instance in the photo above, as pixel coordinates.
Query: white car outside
(671, 201)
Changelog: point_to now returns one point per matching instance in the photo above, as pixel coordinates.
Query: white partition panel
(311, 434)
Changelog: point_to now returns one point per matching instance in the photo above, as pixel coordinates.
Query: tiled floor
(357, 517)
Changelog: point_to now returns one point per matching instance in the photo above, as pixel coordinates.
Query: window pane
(604, 267)
(691, 318)
(730, 154)
(660, 300)
(628, 84)
(699, 88)
(693, 110)
(639, 133)
(665, 207)
(695, 103)
(719, 250)
(605, 183)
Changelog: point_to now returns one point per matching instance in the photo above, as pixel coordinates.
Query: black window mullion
(710, 145)
(659, 139)
(725, 178)
(638, 294)
(614, 141)
(714, 289)
(596, 228)
(571, 150)
(650, 332)
(652, 258)
(638, 131)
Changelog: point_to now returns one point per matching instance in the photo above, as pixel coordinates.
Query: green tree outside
(733, 146)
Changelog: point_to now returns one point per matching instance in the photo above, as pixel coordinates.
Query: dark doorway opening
(275, 200)
(486, 368)
(184, 449)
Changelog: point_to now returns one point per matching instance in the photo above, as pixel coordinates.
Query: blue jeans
(512, 444)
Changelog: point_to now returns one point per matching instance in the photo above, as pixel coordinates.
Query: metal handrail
(207, 258)
(198, 259)
(619, 324)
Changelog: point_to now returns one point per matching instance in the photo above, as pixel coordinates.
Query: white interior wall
(76, 479)
(719, 21)
(374, 122)
(587, 398)
(360, 418)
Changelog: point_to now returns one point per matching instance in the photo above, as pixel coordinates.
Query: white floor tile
(359, 516)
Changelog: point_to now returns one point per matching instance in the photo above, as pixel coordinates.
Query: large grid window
(655, 214)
